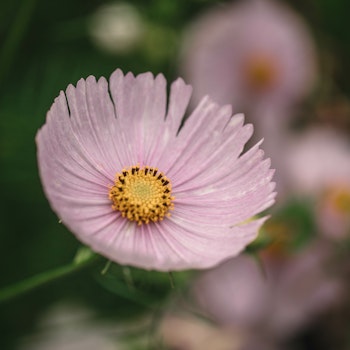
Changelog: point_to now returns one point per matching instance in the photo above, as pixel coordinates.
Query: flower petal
(94, 123)
(140, 105)
(193, 136)
(175, 244)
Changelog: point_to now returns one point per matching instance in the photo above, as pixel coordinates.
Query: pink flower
(319, 167)
(130, 182)
(333, 211)
(190, 333)
(272, 301)
(317, 157)
(258, 56)
(255, 54)
(186, 331)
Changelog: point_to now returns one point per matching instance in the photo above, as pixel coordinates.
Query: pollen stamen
(142, 194)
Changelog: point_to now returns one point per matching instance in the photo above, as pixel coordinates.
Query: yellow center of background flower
(261, 73)
(339, 198)
(142, 194)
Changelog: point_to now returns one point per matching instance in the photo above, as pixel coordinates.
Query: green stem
(15, 35)
(83, 258)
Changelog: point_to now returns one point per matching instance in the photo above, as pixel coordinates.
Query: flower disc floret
(342, 201)
(142, 194)
(262, 73)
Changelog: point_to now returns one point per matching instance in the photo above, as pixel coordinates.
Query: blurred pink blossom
(187, 332)
(257, 55)
(272, 301)
(319, 168)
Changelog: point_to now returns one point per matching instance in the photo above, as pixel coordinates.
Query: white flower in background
(117, 27)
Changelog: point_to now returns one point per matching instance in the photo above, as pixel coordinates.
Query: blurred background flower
(274, 299)
(117, 27)
(185, 331)
(72, 327)
(285, 64)
(319, 169)
(257, 55)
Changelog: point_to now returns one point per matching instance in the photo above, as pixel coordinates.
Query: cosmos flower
(133, 184)
(325, 178)
(256, 54)
(274, 300)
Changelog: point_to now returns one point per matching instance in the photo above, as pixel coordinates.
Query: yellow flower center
(339, 198)
(261, 73)
(343, 202)
(142, 194)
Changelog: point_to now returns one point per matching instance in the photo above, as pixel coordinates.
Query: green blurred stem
(15, 35)
(82, 259)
